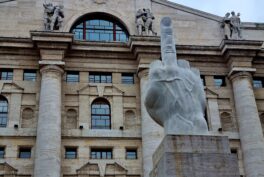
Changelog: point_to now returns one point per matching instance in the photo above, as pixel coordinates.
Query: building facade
(72, 100)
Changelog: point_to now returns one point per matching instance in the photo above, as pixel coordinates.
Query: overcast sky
(250, 10)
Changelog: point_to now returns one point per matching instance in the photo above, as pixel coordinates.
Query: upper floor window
(127, 78)
(2, 152)
(101, 116)
(203, 80)
(219, 81)
(6, 74)
(72, 76)
(99, 27)
(101, 153)
(70, 152)
(3, 111)
(24, 152)
(96, 77)
(131, 153)
(258, 82)
(30, 75)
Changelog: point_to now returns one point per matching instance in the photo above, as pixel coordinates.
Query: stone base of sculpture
(194, 156)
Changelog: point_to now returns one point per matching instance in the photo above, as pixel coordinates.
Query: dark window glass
(258, 82)
(203, 80)
(25, 153)
(219, 81)
(30, 75)
(234, 151)
(95, 77)
(100, 28)
(127, 78)
(6, 74)
(2, 152)
(70, 153)
(3, 111)
(72, 76)
(101, 153)
(131, 154)
(101, 116)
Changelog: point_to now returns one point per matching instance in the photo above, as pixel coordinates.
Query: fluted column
(48, 145)
(250, 130)
(152, 133)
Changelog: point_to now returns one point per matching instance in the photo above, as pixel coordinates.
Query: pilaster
(213, 110)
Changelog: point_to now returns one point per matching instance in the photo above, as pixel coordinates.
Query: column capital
(51, 68)
(239, 75)
(238, 72)
(143, 73)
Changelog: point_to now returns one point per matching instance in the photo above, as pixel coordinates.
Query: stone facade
(49, 115)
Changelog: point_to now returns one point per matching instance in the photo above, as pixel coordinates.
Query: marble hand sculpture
(175, 96)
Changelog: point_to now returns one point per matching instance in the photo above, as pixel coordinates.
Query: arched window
(3, 111)
(99, 27)
(101, 114)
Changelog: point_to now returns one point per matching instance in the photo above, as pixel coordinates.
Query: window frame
(132, 150)
(24, 148)
(2, 155)
(104, 102)
(128, 80)
(31, 71)
(72, 73)
(100, 75)
(9, 74)
(203, 80)
(222, 78)
(71, 156)
(4, 112)
(95, 24)
(105, 150)
(257, 86)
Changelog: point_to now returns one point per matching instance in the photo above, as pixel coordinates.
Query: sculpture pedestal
(194, 156)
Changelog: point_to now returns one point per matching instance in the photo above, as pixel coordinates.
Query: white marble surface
(175, 95)
(48, 145)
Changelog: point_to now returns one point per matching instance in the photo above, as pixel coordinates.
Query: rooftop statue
(232, 26)
(144, 21)
(175, 97)
(53, 17)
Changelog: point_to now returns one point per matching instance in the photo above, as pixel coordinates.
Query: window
(2, 152)
(24, 153)
(99, 27)
(6, 74)
(131, 154)
(258, 82)
(30, 75)
(3, 111)
(101, 116)
(127, 78)
(219, 81)
(234, 151)
(101, 153)
(203, 80)
(70, 152)
(72, 76)
(100, 77)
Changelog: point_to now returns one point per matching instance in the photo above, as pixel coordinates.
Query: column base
(194, 156)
